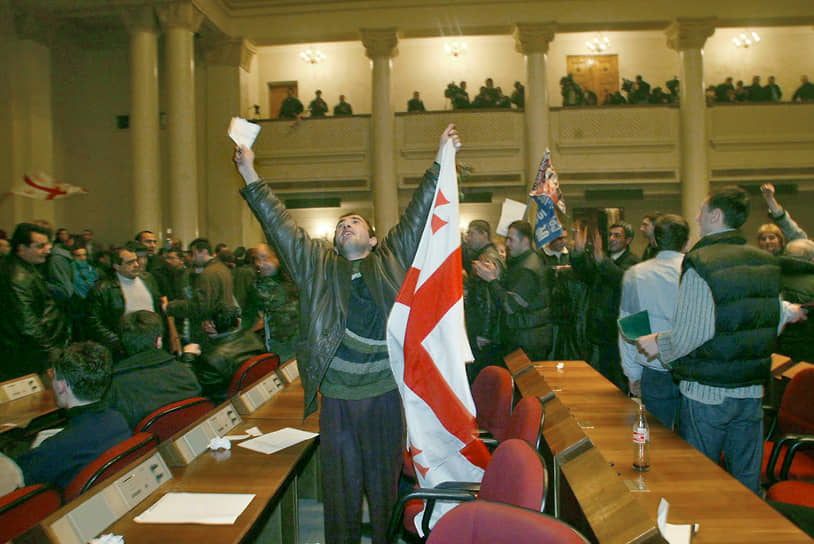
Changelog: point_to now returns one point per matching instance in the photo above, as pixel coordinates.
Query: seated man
(229, 347)
(149, 377)
(81, 375)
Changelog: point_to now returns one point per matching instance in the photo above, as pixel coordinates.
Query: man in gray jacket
(346, 294)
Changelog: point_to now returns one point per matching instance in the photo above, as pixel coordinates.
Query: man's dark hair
(56, 234)
(140, 330)
(651, 217)
(523, 228)
(370, 230)
(671, 232)
(86, 367)
(199, 244)
(481, 226)
(136, 247)
(137, 237)
(225, 318)
(733, 202)
(22, 235)
(220, 246)
(624, 226)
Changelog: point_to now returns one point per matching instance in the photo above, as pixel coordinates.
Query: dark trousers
(660, 395)
(361, 444)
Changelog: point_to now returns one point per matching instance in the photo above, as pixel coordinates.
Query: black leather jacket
(106, 307)
(323, 277)
(31, 323)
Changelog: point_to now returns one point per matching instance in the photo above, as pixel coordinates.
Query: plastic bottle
(168, 239)
(641, 442)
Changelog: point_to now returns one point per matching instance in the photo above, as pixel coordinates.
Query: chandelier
(455, 48)
(312, 57)
(746, 40)
(598, 45)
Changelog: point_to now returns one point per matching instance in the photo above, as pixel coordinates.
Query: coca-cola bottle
(641, 442)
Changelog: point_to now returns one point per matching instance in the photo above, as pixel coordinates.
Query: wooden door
(597, 73)
(278, 91)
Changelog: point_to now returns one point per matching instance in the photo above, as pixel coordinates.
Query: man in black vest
(728, 315)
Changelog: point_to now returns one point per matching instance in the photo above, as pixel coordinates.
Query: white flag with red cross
(426, 338)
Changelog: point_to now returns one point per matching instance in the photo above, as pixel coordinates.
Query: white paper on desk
(200, 508)
(673, 533)
(278, 440)
(512, 210)
(243, 132)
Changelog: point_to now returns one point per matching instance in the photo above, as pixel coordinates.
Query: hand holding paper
(243, 132)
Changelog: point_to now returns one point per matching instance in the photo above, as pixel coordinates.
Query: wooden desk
(270, 477)
(698, 490)
(274, 479)
(20, 412)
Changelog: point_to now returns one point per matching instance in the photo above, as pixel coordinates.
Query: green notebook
(635, 325)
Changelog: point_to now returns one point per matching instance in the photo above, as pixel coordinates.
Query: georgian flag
(42, 187)
(428, 349)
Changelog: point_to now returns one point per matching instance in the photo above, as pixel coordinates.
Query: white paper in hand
(243, 132)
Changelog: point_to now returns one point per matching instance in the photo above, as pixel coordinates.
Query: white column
(144, 126)
(687, 36)
(26, 120)
(227, 65)
(380, 47)
(532, 40)
(180, 21)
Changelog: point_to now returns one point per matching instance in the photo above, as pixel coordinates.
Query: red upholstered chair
(107, 464)
(25, 507)
(482, 522)
(526, 422)
(251, 371)
(515, 475)
(791, 455)
(171, 418)
(492, 392)
(792, 492)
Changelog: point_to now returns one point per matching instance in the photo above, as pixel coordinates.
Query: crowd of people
(704, 368)
(292, 108)
(131, 328)
(488, 96)
(637, 91)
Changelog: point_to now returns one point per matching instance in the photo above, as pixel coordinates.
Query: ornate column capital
(380, 42)
(181, 14)
(231, 52)
(690, 33)
(534, 37)
(139, 19)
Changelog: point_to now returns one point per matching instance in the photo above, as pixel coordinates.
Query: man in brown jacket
(212, 288)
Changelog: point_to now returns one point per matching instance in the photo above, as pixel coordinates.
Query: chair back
(796, 413)
(251, 371)
(482, 522)
(109, 463)
(25, 507)
(492, 392)
(171, 418)
(515, 475)
(526, 421)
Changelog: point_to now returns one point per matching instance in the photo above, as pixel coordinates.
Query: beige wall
(89, 87)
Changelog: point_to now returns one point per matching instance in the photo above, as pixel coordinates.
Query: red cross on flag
(428, 348)
(42, 187)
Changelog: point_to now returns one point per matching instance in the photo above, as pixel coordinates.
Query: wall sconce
(455, 48)
(312, 57)
(746, 39)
